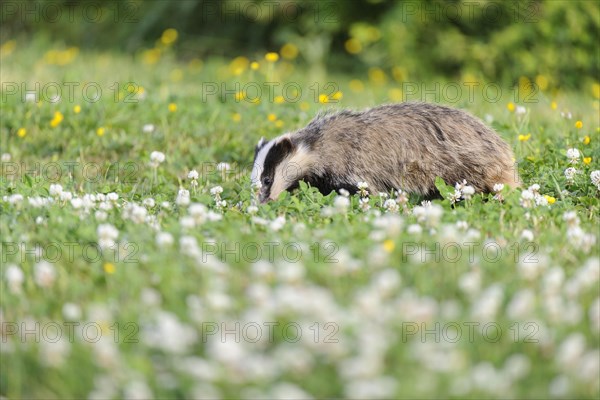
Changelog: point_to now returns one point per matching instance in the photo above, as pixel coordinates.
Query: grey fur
(397, 146)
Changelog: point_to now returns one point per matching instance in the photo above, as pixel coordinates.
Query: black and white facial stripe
(268, 156)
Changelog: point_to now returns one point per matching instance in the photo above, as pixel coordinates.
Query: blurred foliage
(550, 43)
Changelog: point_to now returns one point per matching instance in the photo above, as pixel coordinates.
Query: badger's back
(406, 146)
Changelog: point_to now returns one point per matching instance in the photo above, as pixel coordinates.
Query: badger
(401, 146)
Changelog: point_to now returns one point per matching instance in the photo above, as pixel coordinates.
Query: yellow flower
(22, 132)
(395, 94)
(57, 119)
(553, 105)
(172, 107)
(109, 268)
(8, 48)
(304, 106)
(289, 51)
(353, 46)
(524, 138)
(272, 57)
(389, 245)
(239, 96)
(578, 124)
(279, 123)
(587, 139)
(100, 131)
(151, 56)
(377, 76)
(323, 98)
(596, 90)
(279, 99)
(511, 106)
(77, 109)
(169, 36)
(587, 160)
(550, 199)
(337, 95)
(356, 86)
(254, 65)
(176, 75)
(272, 117)
(237, 117)
(542, 82)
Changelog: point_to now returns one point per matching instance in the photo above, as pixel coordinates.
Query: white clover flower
(595, 178)
(402, 197)
(462, 225)
(566, 115)
(277, 223)
(71, 311)
(573, 155)
(183, 197)
(137, 390)
(535, 188)
(571, 218)
(148, 128)
(15, 198)
(414, 229)
(570, 174)
(520, 110)
(521, 305)
(187, 222)
(363, 204)
(55, 190)
(221, 203)
(101, 215)
(112, 196)
(498, 187)
(66, 196)
(391, 206)
(467, 192)
(527, 235)
(527, 198)
(149, 202)
(455, 197)
(216, 191)
(252, 210)
(6, 157)
(44, 274)
(14, 278)
(541, 200)
(460, 185)
(363, 189)
(341, 203)
(164, 239)
(31, 97)
(76, 203)
(223, 166)
(344, 192)
(40, 220)
(107, 234)
(36, 201)
(570, 350)
(156, 158)
(165, 204)
(193, 174)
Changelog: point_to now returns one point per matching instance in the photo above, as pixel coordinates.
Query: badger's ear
(286, 145)
(261, 142)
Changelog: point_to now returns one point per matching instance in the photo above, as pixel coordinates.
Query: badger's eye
(266, 181)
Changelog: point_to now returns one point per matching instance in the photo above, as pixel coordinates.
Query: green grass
(361, 272)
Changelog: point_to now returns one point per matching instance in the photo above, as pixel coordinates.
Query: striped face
(270, 162)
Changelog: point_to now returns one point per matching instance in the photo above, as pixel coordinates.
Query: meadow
(136, 262)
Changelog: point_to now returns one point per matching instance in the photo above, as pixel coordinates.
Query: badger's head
(278, 165)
